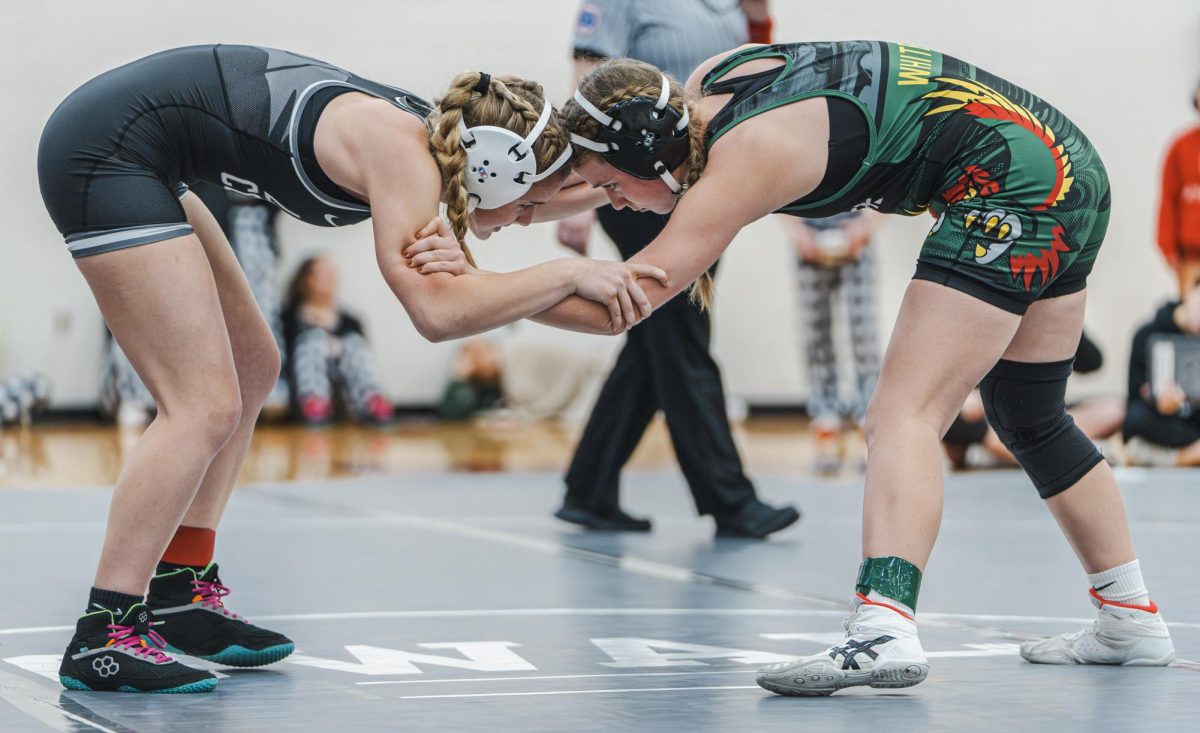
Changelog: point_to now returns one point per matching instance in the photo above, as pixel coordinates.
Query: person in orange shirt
(1179, 206)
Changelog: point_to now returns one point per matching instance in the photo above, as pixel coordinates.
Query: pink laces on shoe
(127, 637)
(210, 594)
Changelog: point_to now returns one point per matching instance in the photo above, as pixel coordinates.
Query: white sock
(875, 597)
(1122, 584)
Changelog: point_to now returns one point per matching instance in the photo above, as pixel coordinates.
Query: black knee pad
(1026, 406)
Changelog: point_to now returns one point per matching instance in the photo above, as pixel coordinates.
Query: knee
(873, 423)
(257, 374)
(266, 368)
(1026, 406)
(211, 416)
(889, 416)
(883, 423)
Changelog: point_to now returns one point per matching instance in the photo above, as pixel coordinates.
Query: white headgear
(501, 166)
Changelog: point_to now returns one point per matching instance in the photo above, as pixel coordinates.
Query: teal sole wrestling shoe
(239, 656)
(121, 654)
(190, 615)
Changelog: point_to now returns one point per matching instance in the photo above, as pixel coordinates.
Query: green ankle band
(893, 577)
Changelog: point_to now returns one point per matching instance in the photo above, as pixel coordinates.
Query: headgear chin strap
(644, 137)
(501, 166)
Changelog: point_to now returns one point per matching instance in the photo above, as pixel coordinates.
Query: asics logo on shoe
(852, 649)
(106, 666)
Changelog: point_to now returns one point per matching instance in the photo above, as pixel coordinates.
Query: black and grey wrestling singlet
(114, 154)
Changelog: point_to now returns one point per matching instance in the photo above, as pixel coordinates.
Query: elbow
(433, 335)
(432, 327)
(442, 326)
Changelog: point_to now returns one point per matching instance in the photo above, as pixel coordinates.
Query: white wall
(1123, 71)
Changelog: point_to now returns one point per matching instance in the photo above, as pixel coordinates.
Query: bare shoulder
(774, 157)
(392, 147)
(693, 83)
(380, 124)
(362, 142)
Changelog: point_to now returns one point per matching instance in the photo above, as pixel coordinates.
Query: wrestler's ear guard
(501, 166)
(646, 138)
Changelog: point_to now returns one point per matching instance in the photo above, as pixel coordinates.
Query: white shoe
(1141, 452)
(881, 650)
(1122, 634)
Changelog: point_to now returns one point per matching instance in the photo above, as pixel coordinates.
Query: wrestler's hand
(436, 250)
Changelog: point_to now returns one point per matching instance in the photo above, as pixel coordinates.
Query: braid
(523, 101)
(445, 142)
(703, 291)
(697, 151)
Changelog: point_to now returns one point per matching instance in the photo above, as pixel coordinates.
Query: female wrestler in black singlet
(330, 148)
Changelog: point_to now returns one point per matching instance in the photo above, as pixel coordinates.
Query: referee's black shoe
(756, 520)
(613, 520)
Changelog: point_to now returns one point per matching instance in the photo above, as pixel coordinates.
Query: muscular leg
(943, 343)
(161, 304)
(1091, 512)
(255, 357)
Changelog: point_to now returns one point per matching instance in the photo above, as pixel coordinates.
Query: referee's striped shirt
(674, 35)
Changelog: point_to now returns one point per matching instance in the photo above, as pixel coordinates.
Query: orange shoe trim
(868, 602)
(1151, 607)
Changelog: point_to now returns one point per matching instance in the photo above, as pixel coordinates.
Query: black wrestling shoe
(613, 520)
(193, 620)
(756, 520)
(122, 654)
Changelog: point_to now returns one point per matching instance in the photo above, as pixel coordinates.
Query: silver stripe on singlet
(294, 142)
(104, 240)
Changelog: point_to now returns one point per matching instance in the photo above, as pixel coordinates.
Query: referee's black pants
(665, 365)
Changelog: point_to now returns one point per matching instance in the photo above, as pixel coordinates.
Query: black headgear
(646, 138)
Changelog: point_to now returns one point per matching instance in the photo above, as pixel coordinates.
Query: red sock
(191, 546)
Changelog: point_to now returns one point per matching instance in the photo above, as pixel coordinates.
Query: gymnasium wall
(1123, 71)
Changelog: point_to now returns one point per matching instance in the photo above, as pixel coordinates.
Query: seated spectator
(971, 443)
(519, 377)
(474, 385)
(1162, 423)
(326, 347)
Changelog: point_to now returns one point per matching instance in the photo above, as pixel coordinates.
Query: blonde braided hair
(510, 102)
(616, 80)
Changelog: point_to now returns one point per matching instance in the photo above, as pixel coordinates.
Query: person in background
(1179, 205)
(665, 363)
(327, 346)
(835, 258)
(474, 384)
(971, 443)
(1162, 422)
